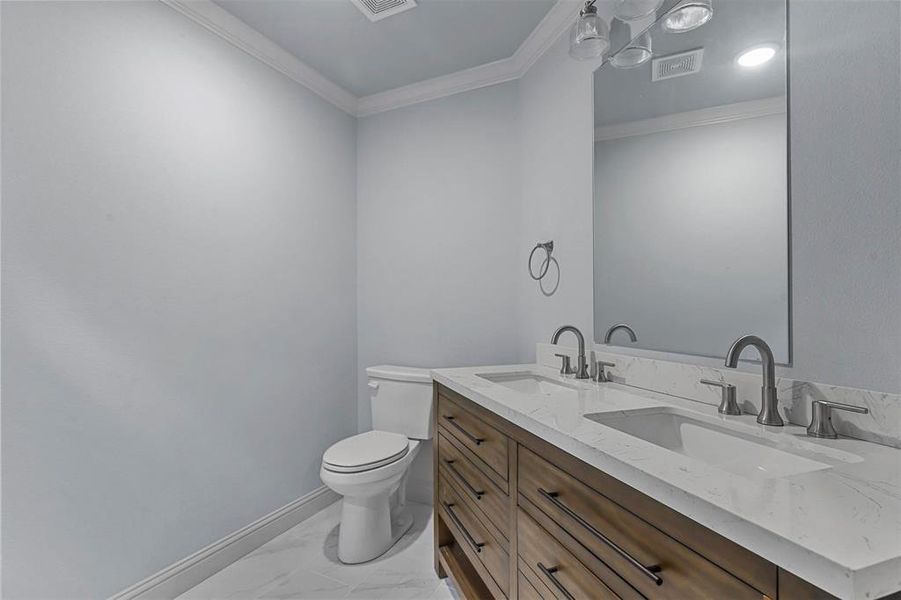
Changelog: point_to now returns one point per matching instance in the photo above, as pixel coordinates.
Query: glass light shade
(590, 36)
(636, 53)
(630, 10)
(688, 16)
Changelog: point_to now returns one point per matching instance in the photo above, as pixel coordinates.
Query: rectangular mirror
(691, 212)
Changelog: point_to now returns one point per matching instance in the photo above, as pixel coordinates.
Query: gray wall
(691, 236)
(178, 292)
(437, 220)
(846, 191)
(845, 182)
(555, 189)
(436, 255)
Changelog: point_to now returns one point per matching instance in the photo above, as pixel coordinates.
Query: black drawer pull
(649, 572)
(453, 421)
(461, 479)
(549, 573)
(477, 546)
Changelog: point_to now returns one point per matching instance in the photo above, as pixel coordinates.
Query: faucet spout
(582, 366)
(624, 327)
(769, 406)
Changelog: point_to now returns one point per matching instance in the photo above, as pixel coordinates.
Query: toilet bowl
(370, 469)
(374, 513)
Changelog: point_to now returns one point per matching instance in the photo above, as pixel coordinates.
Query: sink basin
(731, 450)
(529, 383)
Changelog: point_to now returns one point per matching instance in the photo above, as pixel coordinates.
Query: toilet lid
(365, 451)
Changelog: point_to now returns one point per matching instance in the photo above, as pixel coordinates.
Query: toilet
(370, 469)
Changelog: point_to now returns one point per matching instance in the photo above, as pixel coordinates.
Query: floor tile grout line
(271, 586)
(335, 579)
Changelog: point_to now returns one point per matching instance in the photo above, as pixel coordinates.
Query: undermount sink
(529, 383)
(734, 451)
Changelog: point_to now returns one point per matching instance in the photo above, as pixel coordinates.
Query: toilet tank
(401, 400)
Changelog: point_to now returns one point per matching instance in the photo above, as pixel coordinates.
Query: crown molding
(554, 23)
(551, 27)
(694, 118)
(239, 34)
(248, 39)
(473, 78)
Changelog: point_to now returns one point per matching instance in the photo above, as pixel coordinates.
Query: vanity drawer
(525, 589)
(479, 488)
(554, 566)
(471, 533)
(652, 562)
(483, 440)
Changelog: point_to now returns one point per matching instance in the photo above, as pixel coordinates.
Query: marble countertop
(839, 528)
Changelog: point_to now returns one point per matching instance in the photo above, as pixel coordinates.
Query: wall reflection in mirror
(691, 223)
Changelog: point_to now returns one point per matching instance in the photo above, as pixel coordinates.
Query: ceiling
(626, 95)
(436, 38)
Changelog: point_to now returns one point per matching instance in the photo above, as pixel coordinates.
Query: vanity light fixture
(756, 55)
(590, 35)
(636, 53)
(632, 10)
(688, 15)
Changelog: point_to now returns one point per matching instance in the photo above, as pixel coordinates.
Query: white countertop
(838, 528)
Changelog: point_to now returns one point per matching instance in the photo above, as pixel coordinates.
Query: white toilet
(370, 469)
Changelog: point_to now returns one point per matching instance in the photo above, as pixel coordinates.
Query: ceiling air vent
(376, 10)
(676, 65)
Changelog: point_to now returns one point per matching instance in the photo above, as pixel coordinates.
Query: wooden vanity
(516, 517)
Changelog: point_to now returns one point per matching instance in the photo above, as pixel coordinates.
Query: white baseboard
(188, 572)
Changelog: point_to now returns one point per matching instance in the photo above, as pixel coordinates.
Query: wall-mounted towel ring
(548, 290)
(548, 247)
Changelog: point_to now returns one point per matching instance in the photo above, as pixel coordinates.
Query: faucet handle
(566, 368)
(821, 417)
(600, 376)
(728, 404)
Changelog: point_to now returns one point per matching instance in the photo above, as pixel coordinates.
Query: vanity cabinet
(516, 517)
(489, 446)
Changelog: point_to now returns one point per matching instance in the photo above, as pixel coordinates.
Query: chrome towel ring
(548, 248)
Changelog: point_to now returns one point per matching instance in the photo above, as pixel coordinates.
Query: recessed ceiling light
(687, 16)
(756, 55)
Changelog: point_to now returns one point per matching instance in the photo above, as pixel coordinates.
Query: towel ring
(551, 289)
(548, 247)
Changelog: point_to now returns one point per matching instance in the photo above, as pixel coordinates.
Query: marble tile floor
(302, 563)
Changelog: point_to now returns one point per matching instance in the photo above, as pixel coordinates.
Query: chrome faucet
(622, 326)
(769, 403)
(581, 371)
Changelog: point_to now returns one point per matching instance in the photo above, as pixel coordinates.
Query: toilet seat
(365, 452)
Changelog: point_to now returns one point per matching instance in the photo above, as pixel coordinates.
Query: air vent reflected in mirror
(676, 65)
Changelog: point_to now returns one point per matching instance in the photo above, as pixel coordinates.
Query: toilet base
(400, 524)
(368, 528)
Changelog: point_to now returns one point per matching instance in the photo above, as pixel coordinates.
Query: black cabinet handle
(461, 479)
(453, 421)
(549, 573)
(649, 572)
(477, 546)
